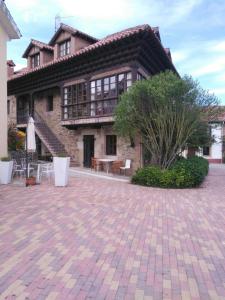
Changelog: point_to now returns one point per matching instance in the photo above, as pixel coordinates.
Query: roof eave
(8, 23)
(26, 52)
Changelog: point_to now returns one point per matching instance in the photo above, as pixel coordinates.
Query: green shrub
(6, 158)
(184, 173)
(149, 176)
(62, 154)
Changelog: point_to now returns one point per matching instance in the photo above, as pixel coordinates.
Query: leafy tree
(16, 138)
(168, 112)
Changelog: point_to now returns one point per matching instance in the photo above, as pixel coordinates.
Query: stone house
(8, 31)
(72, 85)
(215, 153)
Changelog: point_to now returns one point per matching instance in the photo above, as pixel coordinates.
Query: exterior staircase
(47, 137)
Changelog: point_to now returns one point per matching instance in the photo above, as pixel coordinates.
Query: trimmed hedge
(184, 173)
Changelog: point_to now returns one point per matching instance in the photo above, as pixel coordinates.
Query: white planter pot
(61, 170)
(6, 168)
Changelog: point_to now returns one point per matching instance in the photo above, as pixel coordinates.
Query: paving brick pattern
(101, 239)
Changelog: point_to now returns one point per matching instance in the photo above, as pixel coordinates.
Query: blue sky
(194, 30)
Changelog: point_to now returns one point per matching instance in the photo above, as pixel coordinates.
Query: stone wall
(12, 110)
(53, 118)
(73, 139)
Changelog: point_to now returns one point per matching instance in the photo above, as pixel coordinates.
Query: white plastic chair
(17, 169)
(47, 170)
(28, 167)
(127, 166)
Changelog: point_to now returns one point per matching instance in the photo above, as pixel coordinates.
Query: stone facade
(12, 110)
(52, 119)
(73, 138)
(101, 70)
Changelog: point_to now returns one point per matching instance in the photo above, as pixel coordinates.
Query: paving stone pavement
(101, 239)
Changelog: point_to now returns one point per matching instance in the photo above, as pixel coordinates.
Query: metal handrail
(10, 18)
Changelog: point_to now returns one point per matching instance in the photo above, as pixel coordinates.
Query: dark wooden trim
(74, 67)
(134, 69)
(144, 48)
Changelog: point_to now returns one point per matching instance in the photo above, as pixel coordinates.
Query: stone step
(49, 139)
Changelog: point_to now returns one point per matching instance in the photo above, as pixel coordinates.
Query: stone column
(3, 94)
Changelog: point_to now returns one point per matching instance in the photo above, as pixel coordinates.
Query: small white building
(8, 31)
(215, 152)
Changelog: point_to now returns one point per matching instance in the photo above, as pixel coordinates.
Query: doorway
(89, 145)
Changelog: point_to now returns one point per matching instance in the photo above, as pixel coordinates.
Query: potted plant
(61, 164)
(6, 167)
(31, 180)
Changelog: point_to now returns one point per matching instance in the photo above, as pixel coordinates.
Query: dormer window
(64, 48)
(35, 60)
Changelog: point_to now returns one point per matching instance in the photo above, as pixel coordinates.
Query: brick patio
(102, 239)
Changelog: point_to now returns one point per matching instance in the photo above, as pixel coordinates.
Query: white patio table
(107, 161)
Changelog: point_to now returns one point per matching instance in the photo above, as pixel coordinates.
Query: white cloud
(19, 67)
(218, 47)
(216, 66)
(218, 91)
(179, 56)
(221, 77)
(192, 28)
(99, 9)
(163, 12)
(31, 11)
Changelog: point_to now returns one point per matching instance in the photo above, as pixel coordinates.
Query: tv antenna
(58, 20)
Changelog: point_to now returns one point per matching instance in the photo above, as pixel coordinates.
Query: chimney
(10, 67)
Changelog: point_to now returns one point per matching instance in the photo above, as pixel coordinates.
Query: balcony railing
(5, 10)
(91, 109)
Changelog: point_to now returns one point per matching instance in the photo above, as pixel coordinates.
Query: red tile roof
(38, 44)
(42, 45)
(221, 117)
(73, 31)
(105, 41)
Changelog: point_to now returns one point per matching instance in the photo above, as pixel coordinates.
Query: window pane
(49, 106)
(112, 79)
(35, 60)
(129, 75)
(206, 151)
(112, 86)
(121, 77)
(129, 83)
(106, 80)
(106, 87)
(64, 48)
(111, 143)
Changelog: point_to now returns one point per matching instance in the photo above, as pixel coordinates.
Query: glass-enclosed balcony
(94, 99)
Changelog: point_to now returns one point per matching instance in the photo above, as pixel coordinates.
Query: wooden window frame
(35, 60)
(50, 103)
(127, 83)
(74, 97)
(88, 99)
(64, 48)
(208, 151)
(140, 76)
(111, 144)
